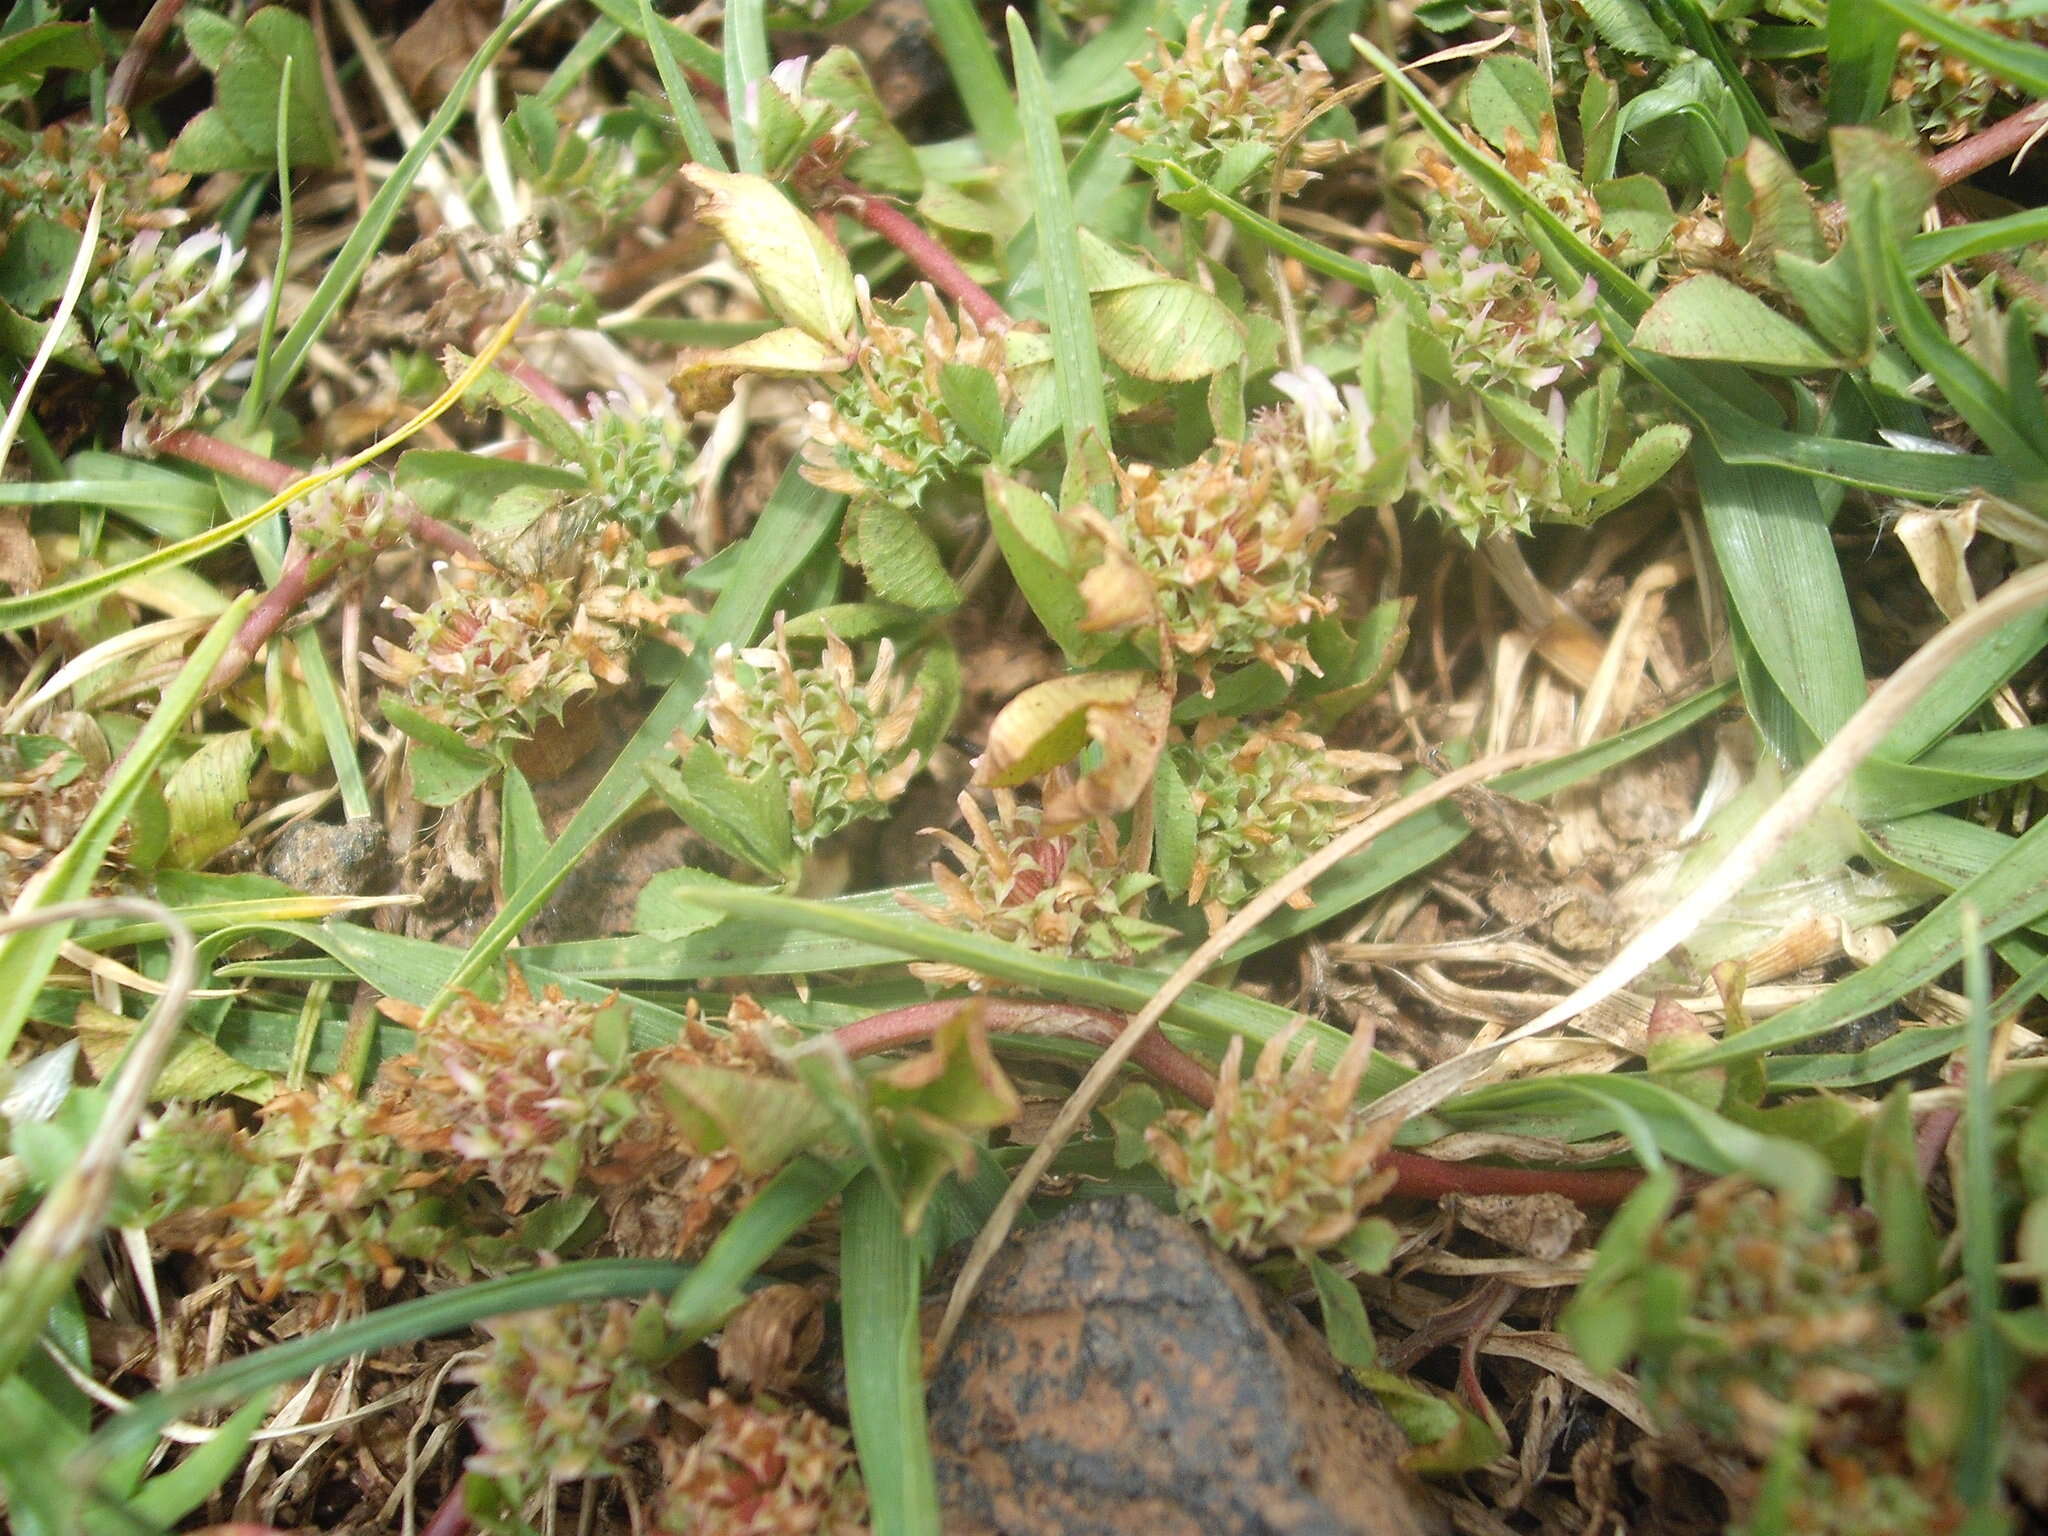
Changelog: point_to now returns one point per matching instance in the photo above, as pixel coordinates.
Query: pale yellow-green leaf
(196, 1068)
(1711, 319)
(1047, 724)
(703, 381)
(205, 798)
(1167, 331)
(802, 276)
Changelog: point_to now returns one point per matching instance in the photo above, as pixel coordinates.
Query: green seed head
(840, 746)
(1280, 1161)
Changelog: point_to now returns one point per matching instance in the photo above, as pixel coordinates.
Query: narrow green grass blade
(1077, 363)
(880, 1274)
(26, 956)
(418, 971)
(1967, 386)
(1959, 768)
(578, 62)
(1925, 253)
(266, 336)
(2016, 63)
(1681, 1128)
(658, 36)
(977, 75)
(332, 713)
(166, 503)
(347, 267)
(1212, 1013)
(1778, 560)
(796, 521)
(2009, 894)
(746, 66)
(405, 1323)
(778, 1211)
(1863, 47)
(1567, 255)
(690, 50)
(1198, 196)
(1972, 680)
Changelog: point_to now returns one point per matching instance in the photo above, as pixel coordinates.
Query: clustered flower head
(841, 747)
(762, 1468)
(164, 316)
(499, 650)
(560, 1393)
(1337, 440)
(887, 434)
(639, 461)
(663, 1196)
(189, 1159)
(1949, 97)
(1229, 543)
(530, 1089)
(1481, 479)
(1265, 798)
(1461, 215)
(1503, 327)
(1281, 1160)
(58, 172)
(1221, 104)
(354, 518)
(331, 1203)
(1071, 892)
(1778, 1315)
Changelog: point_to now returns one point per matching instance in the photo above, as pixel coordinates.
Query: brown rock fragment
(1117, 1375)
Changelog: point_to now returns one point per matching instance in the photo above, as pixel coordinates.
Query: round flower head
(331, 1203)
(500, 651)
(1504, 328)
(640, 463)
(1482, 481)
(164, 316)
(887, 434)
(1068, 893)
(763, 1469)
(1280, 1160)
(1220, 104)
(841, 747)
(529, 1089)
(559, 1395)
(1228, 544)
(1265, 798)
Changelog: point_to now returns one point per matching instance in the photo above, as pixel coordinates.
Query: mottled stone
(1118, 1375)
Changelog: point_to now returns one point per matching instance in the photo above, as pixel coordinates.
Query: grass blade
(2007, 895)
(2016, 63)
(746, 66)
(682, 102)
(1077, 363)
(880, 1276)
(977, 75)
(794, 523)
(1212, 1013)
(1990, 1368)
(347, 267)
(26, 956)
(1778, 559)
(776, 1214)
